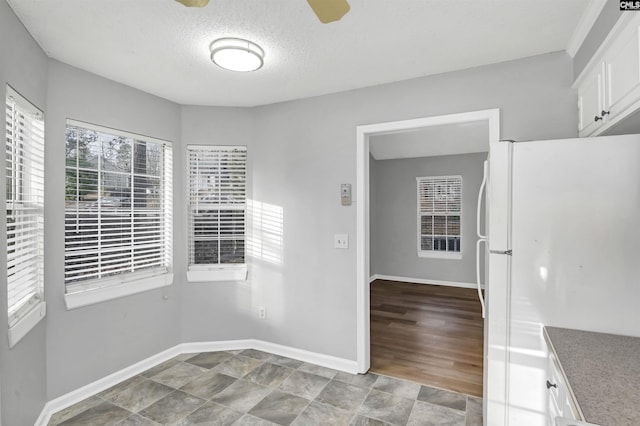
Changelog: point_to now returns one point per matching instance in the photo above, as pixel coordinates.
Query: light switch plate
(341, 241)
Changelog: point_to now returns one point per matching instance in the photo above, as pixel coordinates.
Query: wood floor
(428, 334)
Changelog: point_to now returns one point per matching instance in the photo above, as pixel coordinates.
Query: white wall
(22, 369)
(394, 204)
(89, 343)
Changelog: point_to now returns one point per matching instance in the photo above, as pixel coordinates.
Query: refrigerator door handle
(480, 296)
(505, 252)
(482, 187)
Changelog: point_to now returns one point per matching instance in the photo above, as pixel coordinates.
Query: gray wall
(373, 213)
(607, 19)
(88, 343)
(394, 236)
(299, 153)
(218, 310)
(303, 150)
(22, 369)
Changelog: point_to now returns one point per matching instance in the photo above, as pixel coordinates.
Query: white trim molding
(586, 22)
(329, 361)
(105, 383)
(491, 116)
(619, 27)
(444, 255)
(323, 360)
(119, 287)
(73, 397)
(26, 323)
(211, 273)
(425, 188)
(423, 281)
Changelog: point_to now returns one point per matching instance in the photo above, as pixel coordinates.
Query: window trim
(115, 288)
(230, 272)
(432, 254)
(213, 272)
(27, 322)
(440, 255)
(27, 316)
(94, 291)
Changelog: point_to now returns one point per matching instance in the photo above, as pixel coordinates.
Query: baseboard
(105, 383)
(423, 281)
(276, 349)
(75, 396)
(328, 361)
(222, 345)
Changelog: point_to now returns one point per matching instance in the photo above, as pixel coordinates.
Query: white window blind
(118, 213)
(217, 205)
(439, 215)
(25, 205)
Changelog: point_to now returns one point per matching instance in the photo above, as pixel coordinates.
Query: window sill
(26, 323)
(440, 255)
(217, 273)
(117, 290)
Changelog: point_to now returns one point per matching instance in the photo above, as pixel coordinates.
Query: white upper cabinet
(623, 72)
(609, 87)
(591, 101)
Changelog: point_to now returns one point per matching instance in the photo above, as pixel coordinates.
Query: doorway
(364, 135)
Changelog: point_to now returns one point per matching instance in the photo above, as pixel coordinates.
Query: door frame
(363, 132)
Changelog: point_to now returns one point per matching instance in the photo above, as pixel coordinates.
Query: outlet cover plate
(341, 241)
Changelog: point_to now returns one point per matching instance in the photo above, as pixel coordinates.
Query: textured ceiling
(161, 47)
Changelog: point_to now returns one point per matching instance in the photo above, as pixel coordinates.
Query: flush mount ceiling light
(236, 54)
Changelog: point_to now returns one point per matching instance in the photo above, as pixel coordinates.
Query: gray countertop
(603, 371)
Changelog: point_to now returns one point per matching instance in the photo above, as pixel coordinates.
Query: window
(439, 216)
(25, 214)
(118, 214)
(217, 205)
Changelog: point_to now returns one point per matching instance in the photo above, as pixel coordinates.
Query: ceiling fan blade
(329, 10)
(194, 3)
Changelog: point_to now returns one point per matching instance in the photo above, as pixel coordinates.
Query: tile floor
(257, 388)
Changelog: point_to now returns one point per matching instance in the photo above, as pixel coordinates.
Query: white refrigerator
(563, 250)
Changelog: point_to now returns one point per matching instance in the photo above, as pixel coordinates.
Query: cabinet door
(568, 410)
(623, 73)
(554, 411)
(590, 102)
(560, 397)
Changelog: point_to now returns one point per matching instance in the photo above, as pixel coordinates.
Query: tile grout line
(365, 398)
(424, 384)
(301, 411)
(358, 410)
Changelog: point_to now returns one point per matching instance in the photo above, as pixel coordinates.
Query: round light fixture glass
(236, 54)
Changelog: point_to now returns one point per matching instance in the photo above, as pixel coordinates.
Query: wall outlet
(262, 312)
(341, 241)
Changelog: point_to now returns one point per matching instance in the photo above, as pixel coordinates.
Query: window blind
(439, 213)
(118, 214)
(217, 204)
(24, 204)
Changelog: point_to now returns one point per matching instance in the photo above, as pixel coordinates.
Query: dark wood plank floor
(428, 334)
